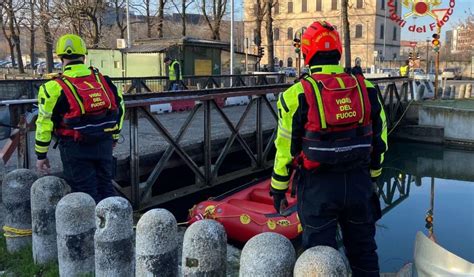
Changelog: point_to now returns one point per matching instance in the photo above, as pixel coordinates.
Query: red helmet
(320, 36)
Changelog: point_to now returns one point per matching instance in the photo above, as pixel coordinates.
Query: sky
(460, 13)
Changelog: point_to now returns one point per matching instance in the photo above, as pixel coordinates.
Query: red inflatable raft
(249, 212)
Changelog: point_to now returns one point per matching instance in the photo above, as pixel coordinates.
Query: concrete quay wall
(457, 123)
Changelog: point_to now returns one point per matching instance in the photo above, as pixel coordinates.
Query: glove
(279, 199)
(375, 200)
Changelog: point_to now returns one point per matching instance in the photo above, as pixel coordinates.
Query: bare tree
(269, 4)
(259, 16)
(347, 33)
(29, 22)
(119, 7)
(161, 17)
(85, 17)
(146, 9)
(94, 12)
(11, 9)
(181, 6)
(7, 34)
(46, 16)
(217, 11)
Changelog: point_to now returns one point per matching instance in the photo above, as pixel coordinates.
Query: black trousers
(328, 198)
(88, 167)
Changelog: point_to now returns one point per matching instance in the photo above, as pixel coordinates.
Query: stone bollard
(321, 261)
(453, 92)
(16, 199)
(421, 92)
(468, 92)
(204, 249)
(267, 254)
(75, 226)
(157, 245)
(446, 93)
(114, 254)
(45, 195)
(461, 92)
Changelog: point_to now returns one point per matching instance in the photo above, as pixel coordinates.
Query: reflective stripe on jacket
(292, 111)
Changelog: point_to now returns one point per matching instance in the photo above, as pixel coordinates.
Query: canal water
(412, 173)
(410, 169)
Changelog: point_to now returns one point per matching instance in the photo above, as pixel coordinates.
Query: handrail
(164, 96)
(269, 74)
(151, 98)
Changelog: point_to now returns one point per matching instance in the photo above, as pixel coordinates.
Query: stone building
(462, 37)
(371, 28)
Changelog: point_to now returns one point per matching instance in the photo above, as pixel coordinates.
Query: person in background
(332, 130)
(84, 111)
(405, 69)
(174, 73)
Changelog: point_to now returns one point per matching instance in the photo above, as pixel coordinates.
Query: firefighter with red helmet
(332, 129)
(84, 111)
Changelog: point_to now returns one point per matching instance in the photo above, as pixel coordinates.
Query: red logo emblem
(422, 8)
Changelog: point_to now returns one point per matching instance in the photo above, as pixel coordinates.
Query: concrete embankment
(439, 121)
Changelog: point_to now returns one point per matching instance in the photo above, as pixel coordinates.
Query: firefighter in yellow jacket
(175, 73)
(84, 111)
(332, 129)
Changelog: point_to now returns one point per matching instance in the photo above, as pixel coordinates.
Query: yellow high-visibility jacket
(52, 105)
(404, 70)
(175, 71)
(292, 111)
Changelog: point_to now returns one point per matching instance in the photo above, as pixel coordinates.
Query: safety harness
(339, 126)
(92, 111)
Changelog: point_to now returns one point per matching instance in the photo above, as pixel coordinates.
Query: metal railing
(395, 93)
(211, 157)
(28, 88)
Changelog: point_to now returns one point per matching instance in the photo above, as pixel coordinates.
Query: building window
(382, 5)
(319, 5)
(334, 5)
(360, 4)
(394, 33)
(304, 6)
(290, 62)
(382, 31)
(358, 31)
(276, 34)
(290, 33)
(276, 8)
(290, 7)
